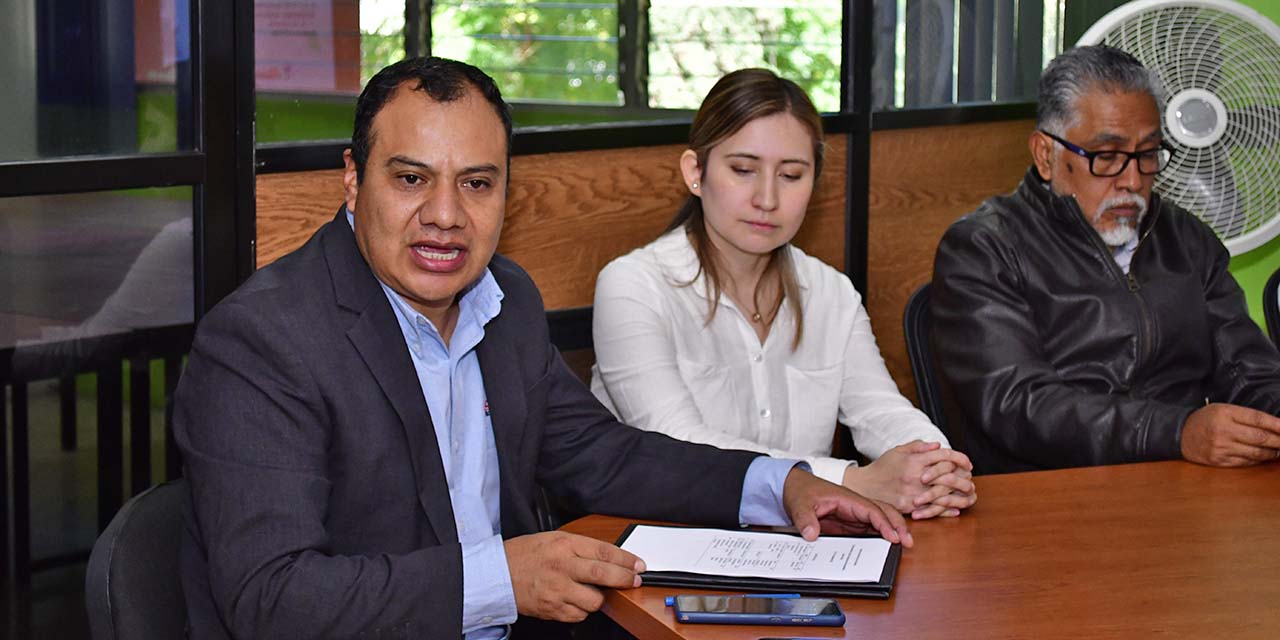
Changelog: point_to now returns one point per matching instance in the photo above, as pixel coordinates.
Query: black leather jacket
(1056, 358)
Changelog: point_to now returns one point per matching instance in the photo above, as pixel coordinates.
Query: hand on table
(555, 575)
(919, 478)
(817, 506)
(1228, 435)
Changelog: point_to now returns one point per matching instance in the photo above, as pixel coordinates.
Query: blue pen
(671, 600)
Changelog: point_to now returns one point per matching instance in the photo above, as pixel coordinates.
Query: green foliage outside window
(690, 47)
(537, 51)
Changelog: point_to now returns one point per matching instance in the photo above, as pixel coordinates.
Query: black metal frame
(855, 99)
(950, 115)
(225, 104)
(856, 117)
(219, 167)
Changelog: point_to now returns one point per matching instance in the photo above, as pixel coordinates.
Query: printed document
(758, 554)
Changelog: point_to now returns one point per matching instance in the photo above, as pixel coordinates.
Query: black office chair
(1271, 306)
(915, 324)
(132, 586)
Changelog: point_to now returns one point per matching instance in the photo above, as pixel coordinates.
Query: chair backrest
(133, 588)
(1271, 306)
(915, 324)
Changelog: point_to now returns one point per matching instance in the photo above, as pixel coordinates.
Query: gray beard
(1125, 229)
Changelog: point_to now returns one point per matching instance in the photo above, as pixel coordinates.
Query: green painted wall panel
(1253, 268)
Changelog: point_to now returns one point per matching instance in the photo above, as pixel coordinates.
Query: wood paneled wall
(568, 214)
(922, 180)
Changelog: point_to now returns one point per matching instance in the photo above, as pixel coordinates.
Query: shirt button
(487, 620)
(764, 413)
(457, 446)
(757, 357)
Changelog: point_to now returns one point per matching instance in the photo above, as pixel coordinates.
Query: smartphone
(747, 609)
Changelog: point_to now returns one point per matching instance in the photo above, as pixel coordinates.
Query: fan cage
(1233, 52)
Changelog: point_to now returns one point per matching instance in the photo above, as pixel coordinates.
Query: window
(563, 52)
(110, 81)
(690, 47)
(583, 61)
(932, 53)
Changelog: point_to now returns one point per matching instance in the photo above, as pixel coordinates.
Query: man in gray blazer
(363, 422)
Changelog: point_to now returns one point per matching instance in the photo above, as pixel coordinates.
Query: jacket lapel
(504, 390)
(375, 334)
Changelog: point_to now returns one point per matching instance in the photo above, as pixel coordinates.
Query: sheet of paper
(758, 554)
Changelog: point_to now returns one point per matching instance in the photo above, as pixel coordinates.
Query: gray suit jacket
(318, 499)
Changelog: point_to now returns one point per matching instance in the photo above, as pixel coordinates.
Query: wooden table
(1131, 551)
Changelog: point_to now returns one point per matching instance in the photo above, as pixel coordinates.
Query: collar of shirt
(1123, 254)
(481, 301)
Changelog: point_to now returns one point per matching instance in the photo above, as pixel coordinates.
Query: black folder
(879, 589)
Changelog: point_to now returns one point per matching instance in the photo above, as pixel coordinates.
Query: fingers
(553, 574)
(957, 500)
(806, 520)
(605, 552)
(930, 511)
(920, 446)
(579, 600)
(959, 481)
(880, 516)
(1255, 418)
(936, 471)
(1225, 435)
(895, 523)
(603, 564)
(961, 460)
(937, 455)
(1248, 454)
(929, 495)
(1257, 437)
(816, 505)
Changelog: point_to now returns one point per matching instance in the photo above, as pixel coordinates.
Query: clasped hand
(920, 478)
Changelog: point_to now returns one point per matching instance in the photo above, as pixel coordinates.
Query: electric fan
(1219, 63)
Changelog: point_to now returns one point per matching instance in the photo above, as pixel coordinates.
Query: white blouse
(661, 367)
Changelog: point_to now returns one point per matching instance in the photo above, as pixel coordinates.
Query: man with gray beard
(1084, 320)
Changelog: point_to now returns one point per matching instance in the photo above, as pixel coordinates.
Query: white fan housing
(1219, 64)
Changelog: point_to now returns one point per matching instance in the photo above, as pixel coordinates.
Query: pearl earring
(694, 185)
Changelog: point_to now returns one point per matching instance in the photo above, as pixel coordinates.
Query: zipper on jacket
(1146, 331)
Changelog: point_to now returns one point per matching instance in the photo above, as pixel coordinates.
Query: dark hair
(737, 99)
(1081, 70)
(443, 79)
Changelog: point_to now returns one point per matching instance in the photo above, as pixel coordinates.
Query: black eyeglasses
(1107, 164)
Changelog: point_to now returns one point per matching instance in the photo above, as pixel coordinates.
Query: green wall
(1253, 268)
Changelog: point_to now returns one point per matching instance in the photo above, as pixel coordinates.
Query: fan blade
(1209, 191)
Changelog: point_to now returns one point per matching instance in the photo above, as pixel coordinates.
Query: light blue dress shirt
(453, 388)
(1123, 254)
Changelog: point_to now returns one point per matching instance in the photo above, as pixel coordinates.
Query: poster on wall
(300, 46)
(308, 46)
(162, 36)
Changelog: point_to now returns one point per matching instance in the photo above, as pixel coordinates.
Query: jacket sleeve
(1246, 365)
(254, 431)
(637, 371)
(988, 348)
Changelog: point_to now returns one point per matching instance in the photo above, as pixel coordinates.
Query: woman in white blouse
(722, 332)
